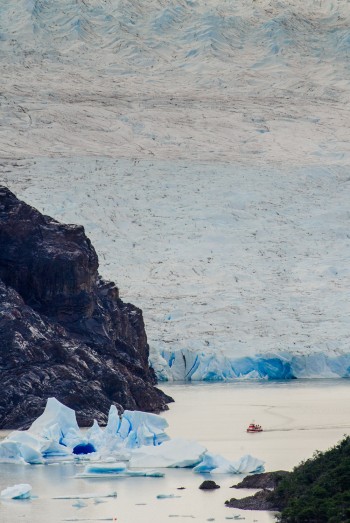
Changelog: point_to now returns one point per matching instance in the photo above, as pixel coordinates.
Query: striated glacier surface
(204, 147)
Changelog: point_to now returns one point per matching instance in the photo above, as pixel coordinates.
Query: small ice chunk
(145, 473)
(167, 496)
(79, 504)
(20, 491)
(87, 496)
(105, 468)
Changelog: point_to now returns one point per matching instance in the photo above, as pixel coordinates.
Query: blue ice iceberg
(56, 434)
(216, 464)
(134, 440)
(116, 470)
(172, 453)
(20, 491)
(105, 468)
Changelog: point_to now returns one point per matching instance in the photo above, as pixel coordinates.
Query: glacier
(231, 228)
(191, 365)
(130, 441)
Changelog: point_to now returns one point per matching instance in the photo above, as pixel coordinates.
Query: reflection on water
(297, 416)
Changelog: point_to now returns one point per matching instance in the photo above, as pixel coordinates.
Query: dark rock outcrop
(262, 500)
(266, 480)
(64, 331)
(208, 484)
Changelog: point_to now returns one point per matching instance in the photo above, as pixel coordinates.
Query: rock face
(64, 331)
(208, 484)
(262, 500)
(266, 480)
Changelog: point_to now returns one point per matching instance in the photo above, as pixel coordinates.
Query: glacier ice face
(20, 491)
(186, 364)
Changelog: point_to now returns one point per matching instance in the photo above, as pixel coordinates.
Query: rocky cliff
(64, 331)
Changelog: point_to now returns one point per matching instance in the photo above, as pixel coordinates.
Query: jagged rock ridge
(64, 331)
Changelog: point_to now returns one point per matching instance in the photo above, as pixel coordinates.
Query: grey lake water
(298, 417)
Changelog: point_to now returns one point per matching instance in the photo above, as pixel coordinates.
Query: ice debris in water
(102, 471)
(167, 496)
(20, 491)
(79, 504)
(87, 496)
(134, 439)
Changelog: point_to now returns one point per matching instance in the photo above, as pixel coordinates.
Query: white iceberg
(172, 453)
(216, 464)
(20, 491)
(134, 440)
(22, 446)
(57, 419)
(56, 434)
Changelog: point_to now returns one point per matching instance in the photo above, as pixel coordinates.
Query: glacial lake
(298, 417)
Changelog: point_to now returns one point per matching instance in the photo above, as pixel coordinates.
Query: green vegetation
(318, 490)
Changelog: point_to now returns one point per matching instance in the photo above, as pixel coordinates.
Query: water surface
(298, 417)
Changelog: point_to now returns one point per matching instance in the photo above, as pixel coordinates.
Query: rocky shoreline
(64, 331)
(263, 499)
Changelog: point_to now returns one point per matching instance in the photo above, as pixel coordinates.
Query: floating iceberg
(134, 440)
(20, 491)
(105, 468)
(216, 464)
(89, 473)
(56, 434)
(22, 446)
(173, 453)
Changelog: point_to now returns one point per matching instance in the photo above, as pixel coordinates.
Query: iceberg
(20, 491)
(105, 468)
(216, 464)
(22, 446)
(56, 434)
(90, 473)
(56, 418)
(134, 440)
(173, 453)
